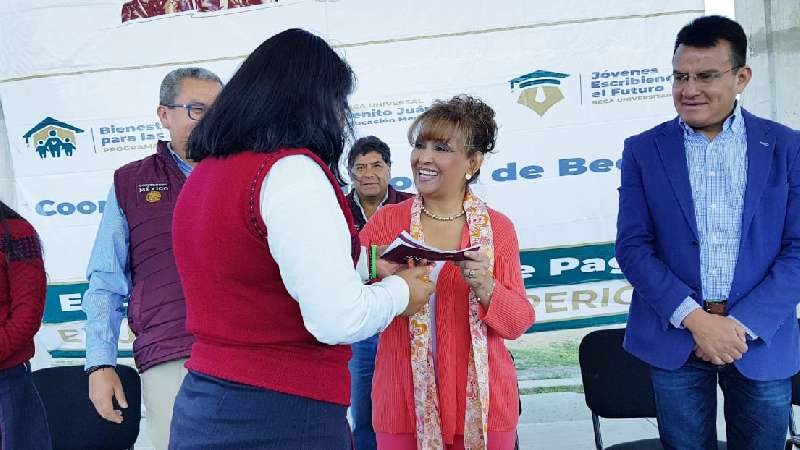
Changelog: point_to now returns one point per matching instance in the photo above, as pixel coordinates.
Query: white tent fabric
(569, 80)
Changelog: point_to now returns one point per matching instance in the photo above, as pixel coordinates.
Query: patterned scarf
(429, 430)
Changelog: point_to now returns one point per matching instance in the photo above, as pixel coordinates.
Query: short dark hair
(291, 92)
(369, 144)
(707, 31)
(463, 114)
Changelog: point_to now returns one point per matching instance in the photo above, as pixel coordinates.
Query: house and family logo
(539, 90)
(52, 138)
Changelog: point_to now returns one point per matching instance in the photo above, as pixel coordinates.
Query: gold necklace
(442, 218)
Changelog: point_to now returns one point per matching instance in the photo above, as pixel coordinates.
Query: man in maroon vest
(132, 258)
(369, 163)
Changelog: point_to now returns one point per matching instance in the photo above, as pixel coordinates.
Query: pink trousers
(498, 440)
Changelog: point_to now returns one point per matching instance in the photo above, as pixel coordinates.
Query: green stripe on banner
(63, 302)
(76, 354)
(557, 266)
(585, 322)
(562, 266)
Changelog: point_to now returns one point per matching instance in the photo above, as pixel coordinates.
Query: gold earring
(467, 176)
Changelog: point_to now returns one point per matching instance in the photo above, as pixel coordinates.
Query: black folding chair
(74, 423)
(794, 437)
(616, 385)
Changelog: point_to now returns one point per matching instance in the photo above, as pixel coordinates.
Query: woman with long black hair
(269, 259)
(23, 285)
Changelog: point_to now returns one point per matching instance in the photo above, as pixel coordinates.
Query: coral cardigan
(510, 314)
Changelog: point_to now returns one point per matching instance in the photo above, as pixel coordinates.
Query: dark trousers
(362, 366)
(756, 412)
(23, 422)
(214, 414)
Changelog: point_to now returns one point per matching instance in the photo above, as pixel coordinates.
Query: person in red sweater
(23, 283)
(443, 376)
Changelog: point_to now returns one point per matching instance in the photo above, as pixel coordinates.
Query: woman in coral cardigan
(23, 284)
(443, 377)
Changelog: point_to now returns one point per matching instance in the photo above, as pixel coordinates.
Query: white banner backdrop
(568, 80)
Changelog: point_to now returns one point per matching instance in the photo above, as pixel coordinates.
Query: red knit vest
(248, 329)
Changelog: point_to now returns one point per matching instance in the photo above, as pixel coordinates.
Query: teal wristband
(373, 262)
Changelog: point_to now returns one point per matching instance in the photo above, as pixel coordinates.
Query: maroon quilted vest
(146, 191)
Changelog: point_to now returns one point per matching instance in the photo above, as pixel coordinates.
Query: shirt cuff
(683, 310)
(362, 267)
(749, 332)
(101, 356)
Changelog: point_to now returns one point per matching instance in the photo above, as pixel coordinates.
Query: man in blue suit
(708, 234)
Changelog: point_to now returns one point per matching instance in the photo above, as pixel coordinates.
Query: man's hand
(103, 385)
(718, 340)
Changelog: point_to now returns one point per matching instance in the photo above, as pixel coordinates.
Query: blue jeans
(23, 422)
(362, 366)
(756, 412)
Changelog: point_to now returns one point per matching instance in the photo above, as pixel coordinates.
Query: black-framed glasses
(703, 78)
(195, 111)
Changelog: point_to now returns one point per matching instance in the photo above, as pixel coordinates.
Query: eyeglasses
(702, 78)
(195, 111)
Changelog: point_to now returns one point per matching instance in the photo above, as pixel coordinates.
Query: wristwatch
(93, 369)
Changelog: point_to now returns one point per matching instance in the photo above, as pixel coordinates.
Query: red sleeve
(27, 285)
(384, 226)
(510, 312)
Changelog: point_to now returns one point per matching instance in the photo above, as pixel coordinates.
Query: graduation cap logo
(539, 90)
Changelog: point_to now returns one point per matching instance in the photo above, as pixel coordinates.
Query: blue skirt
(214, 414)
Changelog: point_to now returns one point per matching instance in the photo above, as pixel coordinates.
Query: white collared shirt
(309, 239)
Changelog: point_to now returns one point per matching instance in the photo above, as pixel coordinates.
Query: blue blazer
(658, 249)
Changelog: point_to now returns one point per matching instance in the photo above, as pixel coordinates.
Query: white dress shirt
(309, 240)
